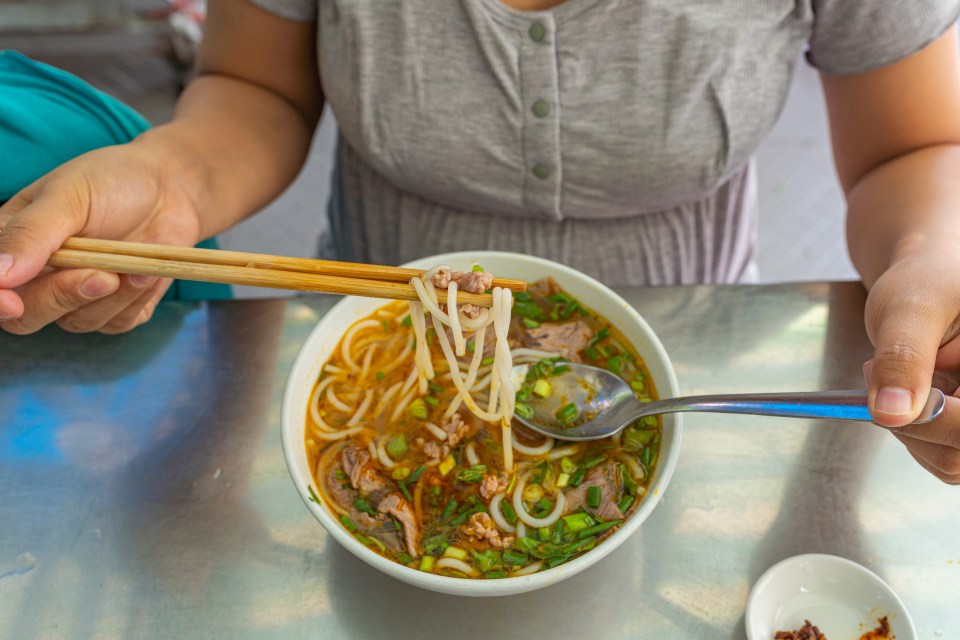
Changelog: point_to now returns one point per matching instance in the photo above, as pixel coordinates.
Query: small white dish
(842, 598)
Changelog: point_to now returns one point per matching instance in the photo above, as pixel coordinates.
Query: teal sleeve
(48, 117)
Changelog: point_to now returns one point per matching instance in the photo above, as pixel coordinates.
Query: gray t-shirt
(611, 135)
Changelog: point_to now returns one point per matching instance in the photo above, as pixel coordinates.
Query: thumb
(907, 335)
(32, 233)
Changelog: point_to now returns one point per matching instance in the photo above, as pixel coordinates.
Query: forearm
(232, 146)
(904, 207)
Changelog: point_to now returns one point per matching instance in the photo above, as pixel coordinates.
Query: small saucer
(841, 597)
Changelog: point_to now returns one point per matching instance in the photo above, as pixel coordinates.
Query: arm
(896, 141)
(239, 135)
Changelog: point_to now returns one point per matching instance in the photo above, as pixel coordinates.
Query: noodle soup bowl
(319, 348)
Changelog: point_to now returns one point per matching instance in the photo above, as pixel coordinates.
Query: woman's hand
(118, 193)
(913, 320)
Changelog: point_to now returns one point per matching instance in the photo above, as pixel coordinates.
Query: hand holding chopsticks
(259, 270)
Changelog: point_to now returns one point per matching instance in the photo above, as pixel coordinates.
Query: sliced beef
(381, 493)
(567, 338)
(398, 507)
(471, 311)
(345, 496)
(607, 476)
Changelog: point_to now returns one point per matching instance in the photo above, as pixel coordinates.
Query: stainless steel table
(143, 493)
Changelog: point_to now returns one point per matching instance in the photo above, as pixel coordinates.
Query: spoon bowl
(582, 402)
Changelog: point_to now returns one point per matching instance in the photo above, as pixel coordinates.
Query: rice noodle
(366, 359)
(497, 515)
(322, 465)
(339, 435)
(315, 404)
(332, 368)
(457, 565)
(459, 344)
(471, 370)
(385, 398)
(367, 399)
(348, 339)
(400, 359)
(538, 450)
(638, 473)
(437, 432)
(488, 416)
(570, 450)
(404, 402)
(524, 515)
(335, 401)
(383, 457)
(471, 454)
(521, 529)
(533, 353)
(527, 570)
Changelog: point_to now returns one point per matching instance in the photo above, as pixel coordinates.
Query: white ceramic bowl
(319, 346)
(842, 598)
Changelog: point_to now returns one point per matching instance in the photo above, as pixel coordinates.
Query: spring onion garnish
(380, 376)
(397, 445)
(594, 497)
(625, 503)
(364, 507)
(507, 509)
(599, 528)
(567, 413)
(523, 410)
(647, 457)
(433, 402)
(486, 560)
(400, 473)
(590, 463)
(447, 465)
(476, 267)
(578, 521)
(542, 388)
(418, 409)
(449, 509)
(577, 476)
(427, 562)
(404, 490)
(416, 473)
(348, 523)
(563, 480)
(405, 557)
(530, 323)
(514, 557)
(637, 385)
(455, 552)
(386, 326)
(629, 485)
(486, 361)
(471, 474)
(313, 495)
(493, 575)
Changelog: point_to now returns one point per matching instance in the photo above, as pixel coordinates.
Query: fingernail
(894, 401)
(142, 281)
(867, 370)
(6, 263)
(96, 287)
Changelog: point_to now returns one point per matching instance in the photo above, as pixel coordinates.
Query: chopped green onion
(486, 560)
(514, 558)
(544, 533)
(603, 333)
(471, 474)
(578, 521)
(544, 505)
(637, 385)
(448, 510)
(560, 297)
(580, 545)
(594, 496)
(376, 541)
(313, 495)
(435, 388)
(522, 296)
(364, 507)
(591, 353)
(629, 485)
(400, 473)
(590, 463)
(348, 523)
(407, 321)
(364, 539)
(416, 473)
(577, 476)
(397, 445)
(567, 413)
(649, 421)
(435, 542)
(568, 311)
(599, 528)
(530, 323)
(526, 544)
(567, 465)
(615, 364)
(524, 393)
(487, 361)
(433, 402)
(493, 575)
(455, 552)
(527, 310)
(625, 503)
(647, 456)
(550, 563)
(404, 490)
(477, 268)
(471, 345)
(427, 562)
(562, 480)
(380, 376)
(507, 509)
(418, 409)
(405, 557)
(542, 388)
(635, 438)
(385, 325)
(523, 410)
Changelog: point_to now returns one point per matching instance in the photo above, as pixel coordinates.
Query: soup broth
(430, 490)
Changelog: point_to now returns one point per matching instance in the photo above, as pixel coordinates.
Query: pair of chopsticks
(258, 270)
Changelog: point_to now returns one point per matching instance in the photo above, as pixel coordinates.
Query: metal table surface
(144, 492)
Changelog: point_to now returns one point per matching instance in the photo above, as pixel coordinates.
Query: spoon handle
(827, 405)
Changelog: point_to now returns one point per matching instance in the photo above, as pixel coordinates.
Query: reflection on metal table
(145, 492)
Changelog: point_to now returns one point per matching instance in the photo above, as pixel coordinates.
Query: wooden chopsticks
(259, 270)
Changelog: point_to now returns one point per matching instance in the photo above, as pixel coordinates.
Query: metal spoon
(606, 404)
